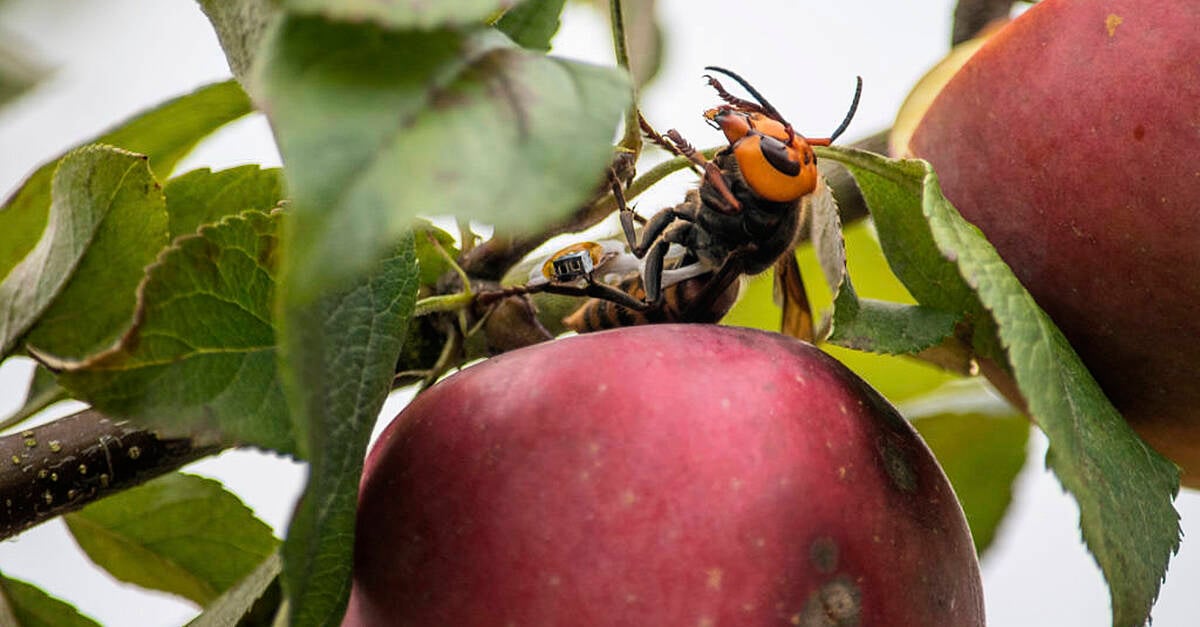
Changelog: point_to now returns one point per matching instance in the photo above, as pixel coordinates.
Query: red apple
(659, 475)
(1072, 140)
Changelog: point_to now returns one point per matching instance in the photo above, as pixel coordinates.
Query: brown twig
(61, 466)
(971, 16)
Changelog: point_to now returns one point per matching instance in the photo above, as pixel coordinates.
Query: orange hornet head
(772, 167)
(777, 163)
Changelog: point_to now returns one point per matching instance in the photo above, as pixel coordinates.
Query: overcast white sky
(116, 57)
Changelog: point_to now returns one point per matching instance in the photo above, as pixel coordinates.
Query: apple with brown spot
(660, 475)
(1072, 140)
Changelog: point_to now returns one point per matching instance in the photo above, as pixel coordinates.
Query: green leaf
(897, 379)
(341, 353)
(106, 223)
(377, 127)
(200, 358)
(827, 239)
(240, 26)
(26, 605)
(165, 134)
(255, 595)
(885, 327)
(1123, 487)
(904, 234)
(432, 262)
(96, 306)
(400, 14)
(868, 324)
(43, 392)
(532, 23)
(980, 442)
(205, 197)
(178, 533)
(168, 132)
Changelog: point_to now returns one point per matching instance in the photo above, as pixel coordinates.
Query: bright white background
(114, 58)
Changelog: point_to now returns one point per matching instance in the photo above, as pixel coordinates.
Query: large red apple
(664, 475)
(1072, 139)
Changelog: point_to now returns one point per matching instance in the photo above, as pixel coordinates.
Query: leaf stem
(632, 139)
(442, 303)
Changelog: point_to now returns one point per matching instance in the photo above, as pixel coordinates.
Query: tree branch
(970, 16)
(62, 466)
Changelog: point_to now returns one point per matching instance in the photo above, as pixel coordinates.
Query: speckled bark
(61, 466)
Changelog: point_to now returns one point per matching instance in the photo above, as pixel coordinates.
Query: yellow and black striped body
(597, 314)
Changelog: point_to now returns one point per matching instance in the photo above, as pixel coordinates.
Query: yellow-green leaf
(179, 533)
